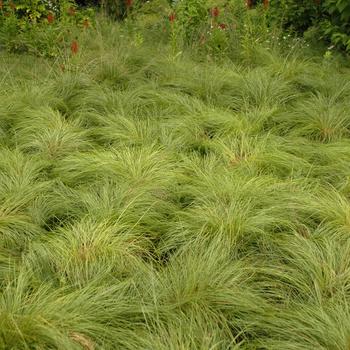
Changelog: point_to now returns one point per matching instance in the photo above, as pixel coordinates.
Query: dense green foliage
(47, 27)
(327, 19)
(43, 28)
(175, 185)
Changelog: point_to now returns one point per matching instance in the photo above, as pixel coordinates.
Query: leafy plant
(329, 18)
(336, 27)
(42, 28)
(191, 16)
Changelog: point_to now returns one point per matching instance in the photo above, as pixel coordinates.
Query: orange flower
(215, 12)
(71, 11)
(86, 23)
(74, 47)
(50, 17)
(172, 17)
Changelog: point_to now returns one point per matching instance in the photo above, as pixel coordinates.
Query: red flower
(172, 17)
(128, 3)
(74, 47)
(215, 12)
(86, 23)
(222, 26)
(71, 11)
(50, 17)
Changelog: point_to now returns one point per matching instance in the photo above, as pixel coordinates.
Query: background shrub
(41, 27)
(328, 20)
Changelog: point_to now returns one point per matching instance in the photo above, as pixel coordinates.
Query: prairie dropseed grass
(152, 201)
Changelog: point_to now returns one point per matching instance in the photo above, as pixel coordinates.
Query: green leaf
(345, 15)
(342, 5)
